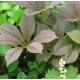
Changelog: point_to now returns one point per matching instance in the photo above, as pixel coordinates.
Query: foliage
(34, 36)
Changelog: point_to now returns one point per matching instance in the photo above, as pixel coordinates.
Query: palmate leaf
(45, 36)
(13, 54)
(10, 29)
(35, 47)
(75, 35)
(72, 13)
(27, 26)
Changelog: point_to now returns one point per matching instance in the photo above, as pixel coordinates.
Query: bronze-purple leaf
(35, 47)
(72, 12)
(35, 7)
(27, 26)
(45, 36)
(10, 30)
(13, 54)
(8, 39)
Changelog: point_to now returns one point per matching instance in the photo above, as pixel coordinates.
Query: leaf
(5, 76)
(10, 30)
(13, 66)
(52, 74)
(4, 48)
(43, 57)
(72, 11)
(21, 75)
(77, 76)
(41, 27)
(4, 5)
(61, 47)
(54, 3)
(13, 54)
(35, 5)
(33, 65)
(32, 75)
(35, 47)
(8, 39)
(59, 28)
(71, 55)
(55, 61)
(27, 26)
(45, 36)
(71, 71)
(15, 13)
(3, 18)
(74, 35)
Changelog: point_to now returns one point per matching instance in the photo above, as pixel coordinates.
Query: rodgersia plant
(11, 35)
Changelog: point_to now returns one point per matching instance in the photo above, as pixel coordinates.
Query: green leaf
(71, 71)
(33, 65)
(5, 5)
(32, 75)
(15, 14)
(75, 35)
(52, 74)
(77, 76)
(3, 18)
(21, 75)
(5, 76)
(4, 48)
(13, 66)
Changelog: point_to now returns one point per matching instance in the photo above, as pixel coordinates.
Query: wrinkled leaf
(61, 47)
(35, 47)
(10, 30)
(45, 36)
(72, 12)
(13, 54)
(27, 26)
(8, 39)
